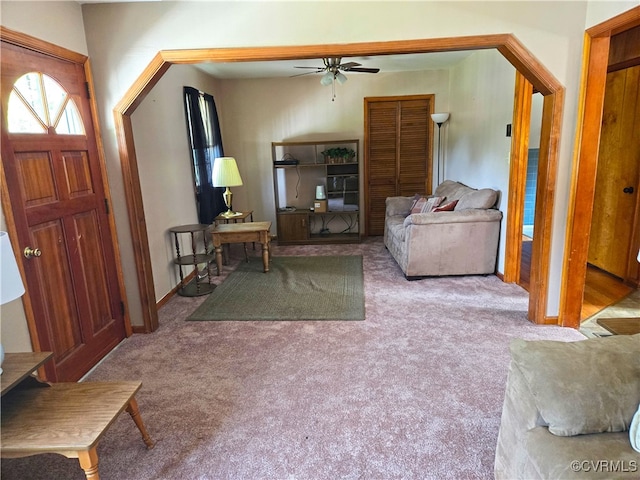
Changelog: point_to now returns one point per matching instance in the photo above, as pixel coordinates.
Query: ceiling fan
(333, 69)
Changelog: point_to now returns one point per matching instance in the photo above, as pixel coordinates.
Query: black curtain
(206, 145)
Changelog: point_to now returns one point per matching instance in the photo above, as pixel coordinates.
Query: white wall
(164, 162)
(258, 112)
(478, 149)
(59, 23)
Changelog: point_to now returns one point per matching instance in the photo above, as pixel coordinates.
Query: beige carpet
(413, 392)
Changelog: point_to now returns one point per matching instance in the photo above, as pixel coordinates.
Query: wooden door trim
(40, 46)
(507, 44)
(585, 161)
(517, 177)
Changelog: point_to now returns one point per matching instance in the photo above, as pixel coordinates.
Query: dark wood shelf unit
(295, 187)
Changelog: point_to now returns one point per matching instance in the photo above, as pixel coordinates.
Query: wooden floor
(601, 288)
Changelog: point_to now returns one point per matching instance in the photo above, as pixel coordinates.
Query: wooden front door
(57, 200)
(398, 152)
(618, 177)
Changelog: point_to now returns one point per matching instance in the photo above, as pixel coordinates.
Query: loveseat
(459, 237)
(568, 408)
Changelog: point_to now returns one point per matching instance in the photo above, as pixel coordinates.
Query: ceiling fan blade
(349, 65)
(305, 73)
(365, 70)
(319, 69)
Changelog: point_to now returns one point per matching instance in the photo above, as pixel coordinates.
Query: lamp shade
(11, 286)
(327, 79)
(225, 173)
(439, 118)
(341, 78)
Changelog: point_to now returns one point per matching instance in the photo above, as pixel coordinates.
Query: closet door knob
(628, 190)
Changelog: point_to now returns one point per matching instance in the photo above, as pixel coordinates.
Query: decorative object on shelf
(439, 119)
(11, 286)
(226, 174)
(320, 193)
(339, 155)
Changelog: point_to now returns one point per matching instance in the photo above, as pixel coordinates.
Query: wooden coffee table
(248, 232)
(64, 418)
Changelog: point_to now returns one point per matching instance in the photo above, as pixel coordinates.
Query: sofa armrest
(461, 216)
(398, 206)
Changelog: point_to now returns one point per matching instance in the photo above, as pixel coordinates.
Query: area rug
(295, 288)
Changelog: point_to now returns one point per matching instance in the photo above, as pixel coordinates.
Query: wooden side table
(238, 218)
(242, 233)
(64, 418)
(196, 287)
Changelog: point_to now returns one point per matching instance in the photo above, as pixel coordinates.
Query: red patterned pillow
(418, 205)
(416, 197)
(447, 207)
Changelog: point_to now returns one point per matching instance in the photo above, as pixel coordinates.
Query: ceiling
(286, 68)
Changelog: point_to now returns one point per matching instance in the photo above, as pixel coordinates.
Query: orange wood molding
(517, 177)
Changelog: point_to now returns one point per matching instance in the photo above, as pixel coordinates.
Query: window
(38, 104)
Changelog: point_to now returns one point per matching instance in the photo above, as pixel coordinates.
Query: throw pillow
(634, 431)
(418, 204)
(483, 198)
(431, 203)
(447, 207)
(416, 197)
(589, 386)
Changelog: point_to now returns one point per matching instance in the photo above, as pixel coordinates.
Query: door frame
(506, 44)
(595, 61)
(40, 46)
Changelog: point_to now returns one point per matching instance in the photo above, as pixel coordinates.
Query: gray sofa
(459, 242)
(568, 408)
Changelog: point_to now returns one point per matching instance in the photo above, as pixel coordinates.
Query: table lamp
(226, 174)
(11, 286)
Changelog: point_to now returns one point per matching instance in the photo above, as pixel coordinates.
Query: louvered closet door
(398, 139)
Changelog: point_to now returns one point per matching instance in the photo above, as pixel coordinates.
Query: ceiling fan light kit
(333, 69)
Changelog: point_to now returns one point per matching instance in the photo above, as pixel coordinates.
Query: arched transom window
(39, 104)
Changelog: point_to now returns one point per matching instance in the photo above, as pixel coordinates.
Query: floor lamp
(439, 119)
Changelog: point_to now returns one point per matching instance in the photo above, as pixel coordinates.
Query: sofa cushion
(483, 198)
(452, 190)
(574, 386)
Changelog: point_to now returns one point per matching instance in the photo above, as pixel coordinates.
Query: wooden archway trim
(509, 46)
(595, 60)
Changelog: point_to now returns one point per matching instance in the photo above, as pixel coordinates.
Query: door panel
(617, 179)
(57, 197)
(397, 152)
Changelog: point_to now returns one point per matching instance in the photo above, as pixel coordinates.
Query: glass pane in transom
(31, 89)
(70, 122)
(21, 119)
